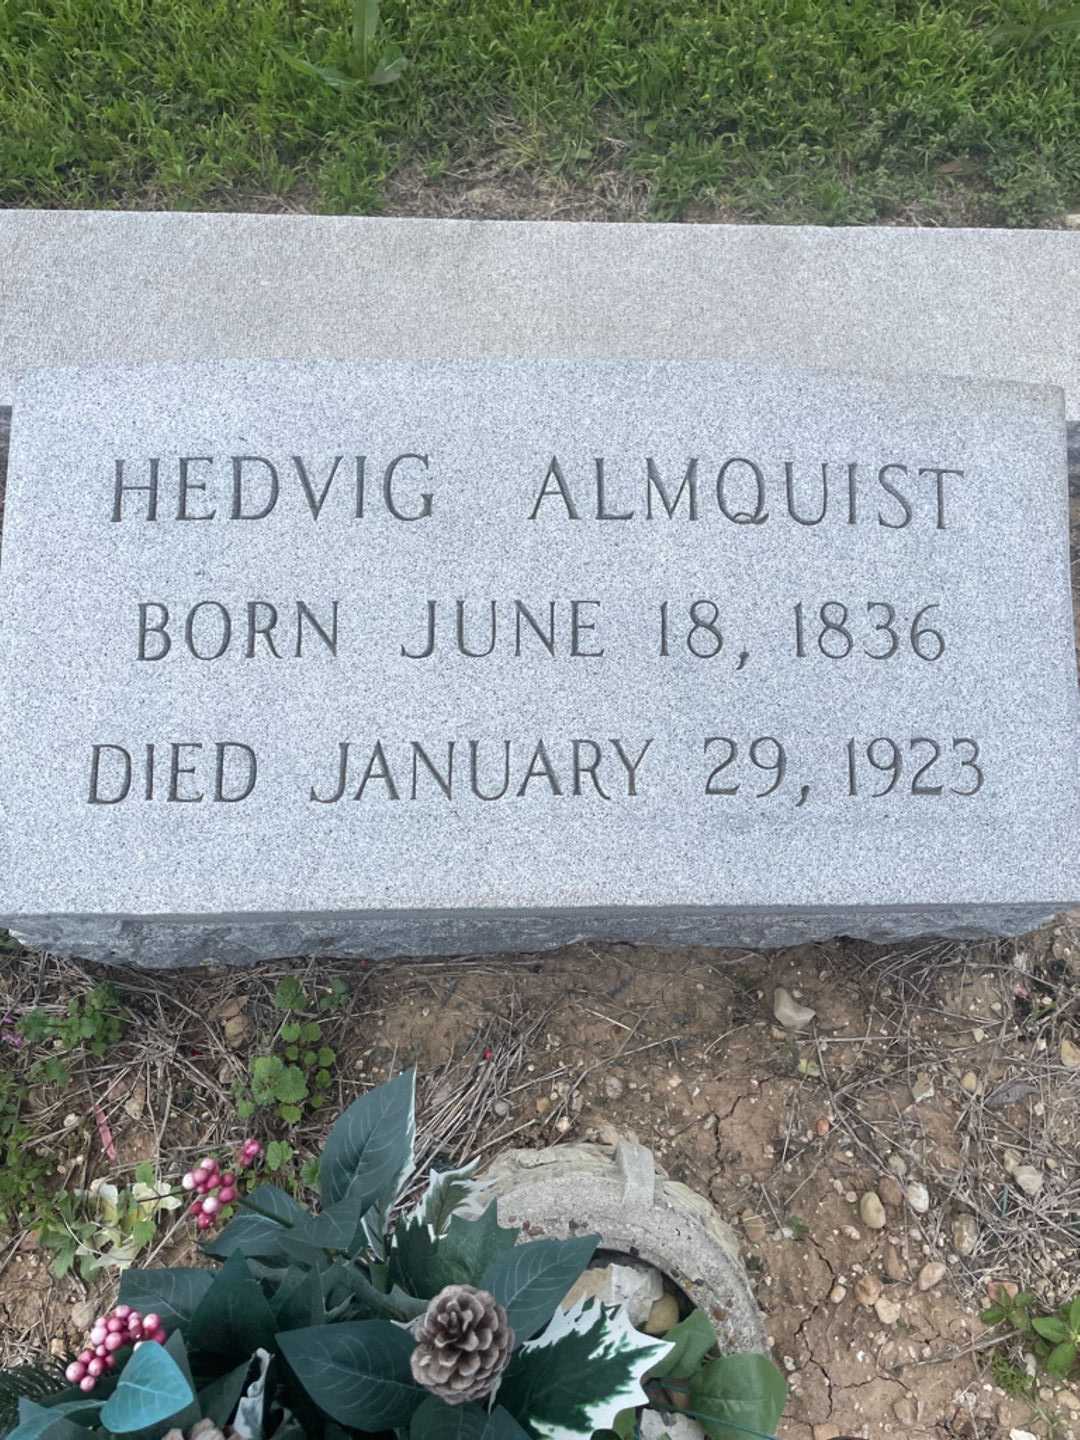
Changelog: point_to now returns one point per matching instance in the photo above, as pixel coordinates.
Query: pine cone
(463, 1344)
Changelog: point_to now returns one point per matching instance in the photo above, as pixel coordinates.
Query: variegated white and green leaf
(447, 1191)
(576, 1376)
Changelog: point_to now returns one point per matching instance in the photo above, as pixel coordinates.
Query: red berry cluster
(109, 1334)
(214, 1190)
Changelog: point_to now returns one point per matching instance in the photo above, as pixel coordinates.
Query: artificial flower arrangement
(317, 1326)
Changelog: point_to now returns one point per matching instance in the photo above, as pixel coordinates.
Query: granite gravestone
(399, 657)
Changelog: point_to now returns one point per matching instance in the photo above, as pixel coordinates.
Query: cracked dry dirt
(940, 1060)
(736, 1107)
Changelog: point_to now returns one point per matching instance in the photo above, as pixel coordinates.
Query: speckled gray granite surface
(342, 761)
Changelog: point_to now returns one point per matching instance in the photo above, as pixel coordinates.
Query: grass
(835, 111)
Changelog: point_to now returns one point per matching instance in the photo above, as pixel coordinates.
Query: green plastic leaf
(298, 1303)
(1050, 1328)
(175, 1295)
(437, 1421)
(36, 1422)
(343, 1282)
(531, 1279)
(580, 1374)
(422, 1262)
(219, 1399)
(357, 1373)
(690, 1340)
(151, 1390)
(266, 1238)
(736, 1393)
(1061, 1359)
(234, 1318)
(372, 1139)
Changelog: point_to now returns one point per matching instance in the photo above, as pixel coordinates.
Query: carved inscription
(730, 769)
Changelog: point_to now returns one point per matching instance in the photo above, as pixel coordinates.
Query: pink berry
(204, 1222)
(211, 1205)
(75, 1372)
(86, 1357)
(87, 1383)
(227, 1195)
(122, 1312)
(228, 1178)
(199, 1175)
(109, 1362)
(208, 1164)
(101, 1351)
(96, 1368)
(134, 1322)
(151, 1321)
(114, 1342)
(159, 1336)
(98, 1333)
(188, 1181)
(113, 1326)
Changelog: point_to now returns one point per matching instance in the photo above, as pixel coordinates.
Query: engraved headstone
(440, 657)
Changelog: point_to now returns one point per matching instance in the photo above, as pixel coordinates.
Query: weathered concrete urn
(638, 1212)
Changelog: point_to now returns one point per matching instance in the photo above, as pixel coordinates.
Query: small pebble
(932, 1274)
(918, 1197)
(789, 1012)
(891, 1191)
(871, 1211)
(887, 1311)
(897, 1164)
(868, 1290)
(970, 1082)
(838, 1294)
(613, 1087)
(894, 1267)
(906, 1411)
(1028, 1178)
(754, 1227)
(1070, 1054)
(965, 1234)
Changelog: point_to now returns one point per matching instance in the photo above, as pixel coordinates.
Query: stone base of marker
(168, 944)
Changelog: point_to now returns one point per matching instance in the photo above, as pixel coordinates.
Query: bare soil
(944, 1060)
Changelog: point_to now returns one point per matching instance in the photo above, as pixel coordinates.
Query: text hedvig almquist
(739, 489)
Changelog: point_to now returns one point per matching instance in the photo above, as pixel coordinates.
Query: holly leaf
(423, 1262)
(175, 1295)
(447, 1190)
(151, 1390)
(357, 1373)
(690, 1340)
(577, 1376)
(530, 1280)
(736, 1393)
(437, 1421)
(372, 1140)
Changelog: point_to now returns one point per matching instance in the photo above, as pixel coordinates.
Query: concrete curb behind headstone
(637, 1211)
